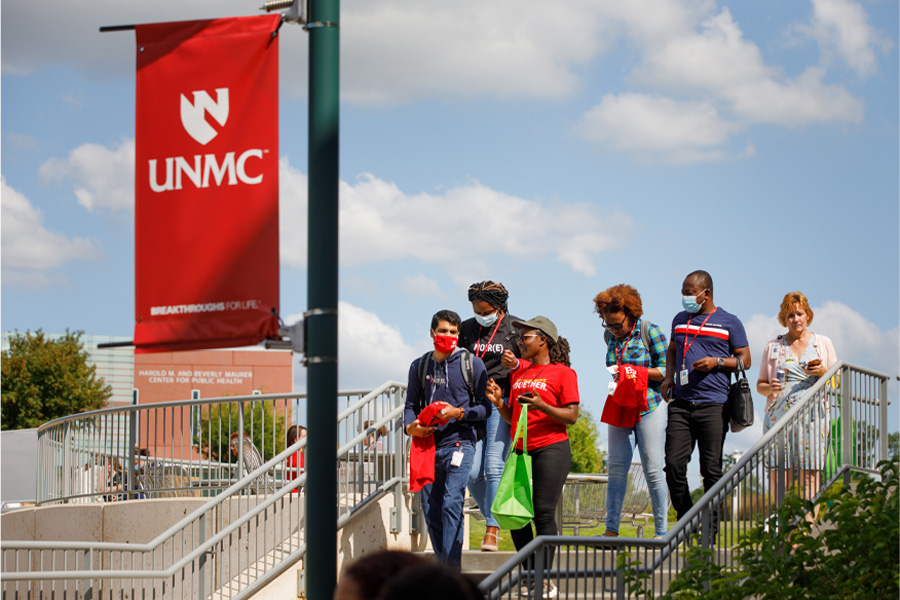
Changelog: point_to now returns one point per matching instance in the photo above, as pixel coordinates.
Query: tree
(584, 438)
(44, 379)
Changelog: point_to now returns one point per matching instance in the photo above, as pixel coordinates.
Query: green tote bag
(513, 505)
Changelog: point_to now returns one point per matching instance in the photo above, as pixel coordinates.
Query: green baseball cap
(539, 322)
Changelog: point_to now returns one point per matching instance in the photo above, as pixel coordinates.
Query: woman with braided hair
(544, 381)
(488, 335)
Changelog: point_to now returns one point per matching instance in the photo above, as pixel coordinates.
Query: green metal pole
(322, 294)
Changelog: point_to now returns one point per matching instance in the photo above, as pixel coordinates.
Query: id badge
(773, 353)
(456, 459)
(612, 388)
(684, 376)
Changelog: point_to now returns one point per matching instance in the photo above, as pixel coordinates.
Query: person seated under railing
(373, 440)
(251, 461)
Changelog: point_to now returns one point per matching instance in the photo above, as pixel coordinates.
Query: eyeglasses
(525, 337)
(615, 327)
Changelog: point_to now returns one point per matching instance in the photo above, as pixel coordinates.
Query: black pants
(703, 423)
(549, 468)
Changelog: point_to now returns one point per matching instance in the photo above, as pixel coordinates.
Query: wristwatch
(720, 362)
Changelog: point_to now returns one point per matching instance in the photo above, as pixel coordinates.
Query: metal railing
(234, 544)
(802, 451)
(583, 501)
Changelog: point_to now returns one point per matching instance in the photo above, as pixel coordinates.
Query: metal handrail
(200, 550)
(658, 552)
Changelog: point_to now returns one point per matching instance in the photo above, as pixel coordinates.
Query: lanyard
(621, 357)
(496, 327)
(687, 332)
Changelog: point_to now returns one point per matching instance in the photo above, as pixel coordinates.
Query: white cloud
(379, 222)
(712, 60)
(101, 178)
(841, 29)
(710, 83)
(292, 217)
(370, 351)
(22, 141)
(401, 50)
(805, 100)
(421, 286)
(679, 131)
(29, 249)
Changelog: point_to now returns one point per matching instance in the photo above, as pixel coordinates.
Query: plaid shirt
(635, 354)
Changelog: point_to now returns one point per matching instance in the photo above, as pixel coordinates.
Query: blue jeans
(442, 503)
(487, 468)
(649, 435)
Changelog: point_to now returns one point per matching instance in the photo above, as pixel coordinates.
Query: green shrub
(853, 555)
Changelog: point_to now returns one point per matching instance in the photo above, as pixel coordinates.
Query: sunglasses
(614, 327)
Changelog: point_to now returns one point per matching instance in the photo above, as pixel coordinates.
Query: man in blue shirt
(703, 350)
(445, 384)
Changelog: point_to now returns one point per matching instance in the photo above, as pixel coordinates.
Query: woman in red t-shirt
(544, 381)
(295, 462)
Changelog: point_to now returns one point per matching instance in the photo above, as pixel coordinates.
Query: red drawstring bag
(624, 407)
(421, 455)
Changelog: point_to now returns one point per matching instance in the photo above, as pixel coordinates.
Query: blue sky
(558, 148)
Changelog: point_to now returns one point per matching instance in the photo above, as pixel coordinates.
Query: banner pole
(322, 294)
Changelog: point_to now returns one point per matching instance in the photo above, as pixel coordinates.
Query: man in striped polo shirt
(703, 350)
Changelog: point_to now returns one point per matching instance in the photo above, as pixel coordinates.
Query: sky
(558, 148)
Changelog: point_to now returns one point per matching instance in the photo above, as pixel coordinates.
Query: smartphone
(525, 398)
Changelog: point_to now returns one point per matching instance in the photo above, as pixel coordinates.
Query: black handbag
(740, 400)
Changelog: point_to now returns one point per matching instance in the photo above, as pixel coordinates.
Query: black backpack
(467, 366)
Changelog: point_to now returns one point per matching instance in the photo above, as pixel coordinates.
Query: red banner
(206, 184)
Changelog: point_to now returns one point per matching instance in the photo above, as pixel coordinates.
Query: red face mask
(445, 344)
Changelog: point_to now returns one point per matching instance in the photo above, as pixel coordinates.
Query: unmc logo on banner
(193, 116)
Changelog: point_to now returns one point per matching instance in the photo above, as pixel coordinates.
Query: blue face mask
(486, 320)
(690, 304)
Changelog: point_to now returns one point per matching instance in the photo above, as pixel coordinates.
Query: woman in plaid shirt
(633, 342)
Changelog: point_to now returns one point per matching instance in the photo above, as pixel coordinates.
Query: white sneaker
(550, 591)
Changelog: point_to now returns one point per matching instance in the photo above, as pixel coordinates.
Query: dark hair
(492, 293)
(558, 350)
(445, 315)
(372, 572)
(704, 278)
(619, 297)
(293, 434)
(431, 581)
